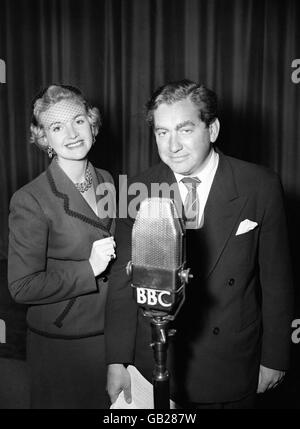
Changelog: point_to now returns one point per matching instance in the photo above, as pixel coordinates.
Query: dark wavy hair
(205, 99)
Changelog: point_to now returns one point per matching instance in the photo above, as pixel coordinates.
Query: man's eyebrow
(178, 126)
(160, 127)
(184, 124)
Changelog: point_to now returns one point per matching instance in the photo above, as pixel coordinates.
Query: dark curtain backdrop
(119, 51)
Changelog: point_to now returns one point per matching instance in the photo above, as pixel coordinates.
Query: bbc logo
(2, 71)
(2, 332)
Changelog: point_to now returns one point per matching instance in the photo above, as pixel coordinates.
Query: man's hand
(269, 378)
(118, 379)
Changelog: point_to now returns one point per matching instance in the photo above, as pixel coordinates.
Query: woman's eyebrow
(54, 123)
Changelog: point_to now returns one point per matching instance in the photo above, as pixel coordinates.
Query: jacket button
(104, 279)
(231, 282)
(216, 330)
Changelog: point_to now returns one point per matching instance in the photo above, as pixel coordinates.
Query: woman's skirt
(67, 373)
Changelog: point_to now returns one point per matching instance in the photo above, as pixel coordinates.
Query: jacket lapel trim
(107, 222)
(95, 222)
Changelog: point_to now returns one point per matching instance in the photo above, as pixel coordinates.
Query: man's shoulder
(251, 172)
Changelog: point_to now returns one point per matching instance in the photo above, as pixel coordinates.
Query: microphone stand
(161, 385)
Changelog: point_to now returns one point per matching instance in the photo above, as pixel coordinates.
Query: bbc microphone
(158, 268)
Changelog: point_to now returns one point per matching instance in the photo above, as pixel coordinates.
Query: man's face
(183, 140)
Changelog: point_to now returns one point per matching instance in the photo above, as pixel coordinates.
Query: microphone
(158, 267)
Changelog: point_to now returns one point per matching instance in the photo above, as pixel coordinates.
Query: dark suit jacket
(238, 307)
(52, 229)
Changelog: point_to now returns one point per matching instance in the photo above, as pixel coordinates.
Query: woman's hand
(101, 254)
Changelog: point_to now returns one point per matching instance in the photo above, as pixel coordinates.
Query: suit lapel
(73, 202)
(221, 214)
(166, 175)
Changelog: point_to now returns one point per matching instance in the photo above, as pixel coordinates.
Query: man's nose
(72, 131)
(174, 143)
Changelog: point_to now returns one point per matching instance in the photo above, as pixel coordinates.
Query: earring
(50, 151)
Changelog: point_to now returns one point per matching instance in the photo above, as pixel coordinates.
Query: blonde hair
(52, 95)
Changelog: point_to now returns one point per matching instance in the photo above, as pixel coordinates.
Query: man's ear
(214, 129)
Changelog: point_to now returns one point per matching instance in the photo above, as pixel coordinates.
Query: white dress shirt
(206, 177)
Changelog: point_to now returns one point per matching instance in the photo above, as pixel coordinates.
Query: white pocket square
(246, 226)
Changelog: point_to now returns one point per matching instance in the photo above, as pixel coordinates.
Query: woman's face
(67, 129)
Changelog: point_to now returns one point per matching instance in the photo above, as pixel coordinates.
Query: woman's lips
(75, 144)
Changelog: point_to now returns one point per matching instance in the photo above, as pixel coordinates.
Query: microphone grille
(157, 235)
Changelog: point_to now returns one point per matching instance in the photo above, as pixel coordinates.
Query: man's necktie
(191, 203)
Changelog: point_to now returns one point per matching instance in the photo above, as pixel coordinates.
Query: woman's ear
(44, 141)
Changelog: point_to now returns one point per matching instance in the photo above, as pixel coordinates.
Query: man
(233, 331)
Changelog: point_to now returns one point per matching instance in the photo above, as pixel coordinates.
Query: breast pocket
(243, 247)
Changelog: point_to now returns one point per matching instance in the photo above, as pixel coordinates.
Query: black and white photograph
(150, 207)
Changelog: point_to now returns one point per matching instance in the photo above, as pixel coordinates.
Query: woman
(60, 248)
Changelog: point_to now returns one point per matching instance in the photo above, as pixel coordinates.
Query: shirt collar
(207, 170)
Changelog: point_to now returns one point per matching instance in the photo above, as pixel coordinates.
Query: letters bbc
(152, 297)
